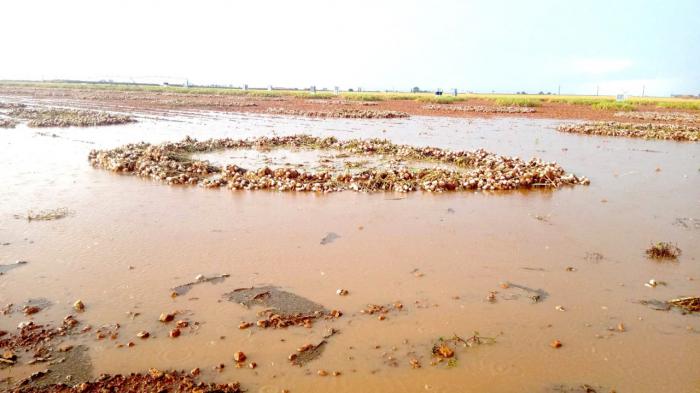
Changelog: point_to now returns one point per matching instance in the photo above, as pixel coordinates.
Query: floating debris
(659, 116)
(443, 349)
(329, 238)
(184, 288)
(381, 310)
(479, 108)
(477, 170)
(688, 304)
(663, 250)
(45, 215)
(68, 117)
(341, 113)
(637, 130)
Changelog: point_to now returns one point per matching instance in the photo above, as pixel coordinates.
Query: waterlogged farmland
(551, 286)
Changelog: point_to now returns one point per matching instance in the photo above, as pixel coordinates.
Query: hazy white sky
(503, 46)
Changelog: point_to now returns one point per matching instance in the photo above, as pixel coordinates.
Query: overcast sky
(503, 46)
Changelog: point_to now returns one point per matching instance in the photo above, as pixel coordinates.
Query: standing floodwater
(419, 272)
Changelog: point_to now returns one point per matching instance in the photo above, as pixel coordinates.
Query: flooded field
(525, 268)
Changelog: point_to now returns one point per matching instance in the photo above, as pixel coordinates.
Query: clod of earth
(29, 310)
(33, 336)
(239, 357)
(663, 250)
(479, 108)
(342, 292)
(674, 132)
(281, 308)
(477, 170)
(166, 317)
(79, 305)
(184, 288)
(68, 117)
(443, 351)
(382, 310)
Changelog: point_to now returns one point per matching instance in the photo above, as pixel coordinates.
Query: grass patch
(685, 105)
(579, 100)
(433, 99)
(363, 97)
(523, 102)
(623, 106)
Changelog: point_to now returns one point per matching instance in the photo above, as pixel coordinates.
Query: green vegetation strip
(529, 100)
(477, 170)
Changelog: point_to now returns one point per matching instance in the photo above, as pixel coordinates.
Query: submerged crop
(474, 170)
(341, 113)
(480, 108)
(68, 117)
(674, 132)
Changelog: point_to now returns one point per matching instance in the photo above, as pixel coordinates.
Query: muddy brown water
(130, 241)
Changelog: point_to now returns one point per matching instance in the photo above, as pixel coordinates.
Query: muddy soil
(157, 101)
